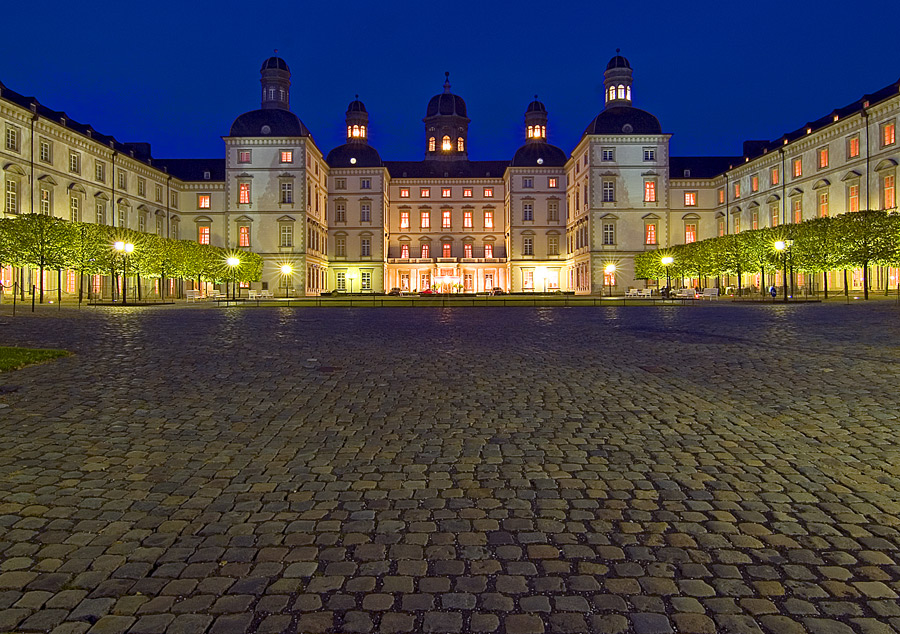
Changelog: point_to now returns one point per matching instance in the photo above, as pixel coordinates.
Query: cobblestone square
(713, 468)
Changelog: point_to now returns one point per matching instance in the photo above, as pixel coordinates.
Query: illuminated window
(736, 222)
(446, 144)
(737, 189)
(287, 156)
(608, 154)
(888, 134)
(774, 215)
(853, 147)
(853, 198)
(774, 176)
(445, 192)
(889, 190)
(340, 183)
(425, 251)
(650, 233)
(340, 278)
(754, 219)
(203, 237)
(552, 211)
(445, 219)
(460, 145)
(553, 182)
(823, 204)
(244, 236)
(244, 193)
(721, 195)
(754, 183)
(690, 200)
(365, 247)
(202, 201)
(797, 167)
(488, 192)
(75, 162)
(425, 220)
(467, 219)
(404, 220)
(649, 154)
(45, 201)
(365, 212)
(609, 233)
(425, 192)
(620, 91)
(649, 191)
(404, 251)
(690, 232)
(467, 249)
(528, 212)
(287, 193)
(340, 212)
(822, 157)
(243, 156)
(528, 182)
(445, 250)
(488, 219)
(354, 131)
(75, 209)
(721, 226)
(365, 183)
(431, 144)
(404, 192)
(488, 250)
(609, 192)
(467, 192)
(797, 207)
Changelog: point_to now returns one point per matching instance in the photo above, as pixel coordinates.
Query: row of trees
(855, 240)
(48, 243)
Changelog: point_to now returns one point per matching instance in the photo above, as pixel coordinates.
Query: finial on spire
(618, 50)
(535, 98)
(447, 82)
(357, 97)
(276, 51)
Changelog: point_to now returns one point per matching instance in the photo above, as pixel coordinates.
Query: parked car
(394, 291)
(427, 291)
(497, 291)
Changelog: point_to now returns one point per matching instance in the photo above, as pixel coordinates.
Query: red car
(427, 291)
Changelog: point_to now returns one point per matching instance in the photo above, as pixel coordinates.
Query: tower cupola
(357, 122)
(276, 84)
(617, 82)
(446, 126)
(535, 122)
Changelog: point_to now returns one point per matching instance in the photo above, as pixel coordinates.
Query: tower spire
(447, 82)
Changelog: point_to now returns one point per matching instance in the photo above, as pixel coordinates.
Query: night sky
(714, 73)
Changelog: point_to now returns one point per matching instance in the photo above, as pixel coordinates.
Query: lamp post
(286, 271)
(667, 261)
(610, 271)
(351, 277)
(232, 263)
(781, 246)
(125, 248)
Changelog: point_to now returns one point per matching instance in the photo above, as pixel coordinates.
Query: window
(159, 194)
(340, 183)
(609, 191)
(460, 145)
(552, 245)
(650, 191)
(340, 278)
(100, 213)
(286, 235)
(445, 219)
(404, 192)
(690, 232)
(123, 216)
(142, 187)
(340, 212)
(889, 192)
(100, 171)
(467, 192)
(425, 220)
(445, 192)
(754, 183)
(721, 195)
(797, 167)
(553, 182)
(45, 202)
(287, 156)
(650, 233)
(243, 156)
(488, 219)
(853, 198)
(203, 234)
(553, 211)
(467, 219)
(365, 183)
(609, 233)
(736, 222)
(822, 157)
(888, 134)
(404, 251)
(754, 219)
(75, 162)
(74, 209)
(488, 192)
(12, 138)
(174, 200)
(425, 250)
(446, 144)
(365, 212)
(365, 247)
(159, 226)
(202, 201)
(365, 280)
(527, 245)
(142, 221)
(424, 192)
(431, 147)
(823, 204)
(287, 193)
(488, 250)
(797, 207)
(528, 182)
(690, 200)
(45, 151)
(649, 154)
(445, 250)
(774, 215)
(608, 154)
(737, 189)
(123, 179)
(774, 176)
(853, 147)
(467, 249)
(528, 212)
(404, 220)
(340, 246)
(244, 193)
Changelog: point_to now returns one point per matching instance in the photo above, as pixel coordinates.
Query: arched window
(281, 94)
(355, 131)
(460, 145)
(446, 145)
(404, 251)
(621, 91)
(431, 144)
(362, 131)
(612, 93)
(530, 132)
(628, 93)
(349, 131)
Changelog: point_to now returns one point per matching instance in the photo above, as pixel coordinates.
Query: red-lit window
(71, 278)
(853, 147)
(489, 250)
(888, 134)
(445, 219)
(853, 196)
(754, 220)
(798, 211)
(425, 192)
(488, 192)
(649, 191)
(467, 250)
(203, 237)
(774, 215)
(467, 192)
(445, 250)
(404, 192)
(243, 156)
(823, 204)
(690, 233)
(890, 196)
(244, 195)
(721, 227)
(775, 176)
(425, 251)
(823, 158)
(467, 219)
(244, 236)
(754, 183)
(203, 201)
(425, 220)
(489, 220)
(650, 233)
(797, 167)
(287, 156)
(404, 251)
(737, 190)
(553, 182)
(445, 192)
(690, 199)
(404, 220)
(721, 196)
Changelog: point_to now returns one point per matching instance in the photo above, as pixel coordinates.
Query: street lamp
(351, 277)
(125, 248)
(232, 263)
(610, 271)
(286, 271)
(782, 246)
(667, 261)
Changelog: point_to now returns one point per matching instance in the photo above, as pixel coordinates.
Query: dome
(536, 106)
(618, 62)
(543, 154)
(268, 122)
(356, 106)
(343, 156)
(275, 63)
(446, 104)
(624, 120)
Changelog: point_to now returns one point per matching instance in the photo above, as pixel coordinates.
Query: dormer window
(446, 145)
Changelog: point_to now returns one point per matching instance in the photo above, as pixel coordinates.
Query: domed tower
(356, 152)
(276, 84)
(535, 122)
(446, 126)
(357, 122)
(617, 82)
(537, 152)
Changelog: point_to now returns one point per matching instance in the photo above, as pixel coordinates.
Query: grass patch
(15, 358)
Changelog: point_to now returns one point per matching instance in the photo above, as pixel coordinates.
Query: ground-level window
(365, 280)
(341, 280)
(528, 280)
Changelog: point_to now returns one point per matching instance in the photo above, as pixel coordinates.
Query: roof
(446, 169)
(542, 154)
(275, 63)
(193, 169)
(274, 122)
(536, 106)
(616, 120)
(356, 106)
(446, 104)
(354, 155)
(701, 166)
(618, 62)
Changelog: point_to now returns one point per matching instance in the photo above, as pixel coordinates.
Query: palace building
(542, 220)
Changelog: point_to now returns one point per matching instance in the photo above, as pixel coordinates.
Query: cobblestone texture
(714, 468)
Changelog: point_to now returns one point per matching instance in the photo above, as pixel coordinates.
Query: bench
(645, 293)
(266, 295)
(710, 293)
(633, 292)
(193, 295)
(686, 293)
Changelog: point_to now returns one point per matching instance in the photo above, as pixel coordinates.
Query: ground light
(286, 271)
(610, 271)
(233, 263)
(125, 248)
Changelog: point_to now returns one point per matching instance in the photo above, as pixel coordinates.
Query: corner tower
(276, 84)
(617, 82)
(446, 126)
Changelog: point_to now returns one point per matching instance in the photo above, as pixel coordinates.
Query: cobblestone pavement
(714, 468)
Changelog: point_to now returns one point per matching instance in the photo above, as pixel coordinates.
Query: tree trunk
(740, 284)
(866, 280)
(59, 286)
(80, 286)
(139, 286)
(846, 286)
(825, 283)
(762, 282)
(41, 281)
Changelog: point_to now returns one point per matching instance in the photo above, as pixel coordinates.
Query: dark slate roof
(528, 155)
(618, 62)
(282, 123)
(701, 166)
(193, 169)
(536, 106)
(365, 155)
(275, 63)
(356, 106)
(446, 169)
(446, 104)
(614, 121)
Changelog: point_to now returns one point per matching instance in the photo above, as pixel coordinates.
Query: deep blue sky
(714, 73)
